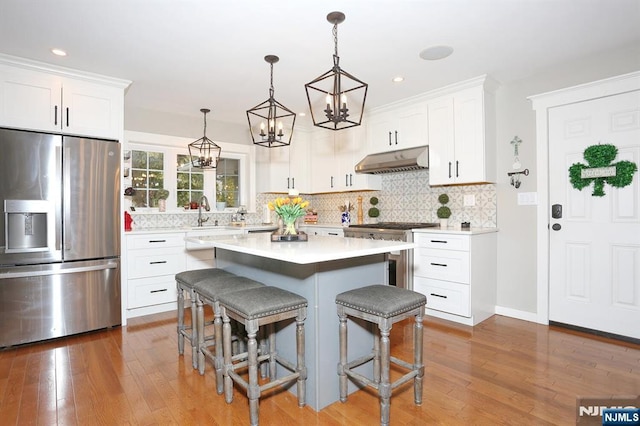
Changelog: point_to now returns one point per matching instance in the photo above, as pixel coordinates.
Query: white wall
(517, 224)
(147, 121)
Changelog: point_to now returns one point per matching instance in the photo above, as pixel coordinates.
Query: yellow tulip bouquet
(289, 209)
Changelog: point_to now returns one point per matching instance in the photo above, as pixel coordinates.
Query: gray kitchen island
(317, 269)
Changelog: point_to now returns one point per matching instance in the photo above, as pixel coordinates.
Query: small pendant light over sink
(271, 123)
(204, 153)
(336, 98)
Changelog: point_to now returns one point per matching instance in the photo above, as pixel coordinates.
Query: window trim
(173, 145)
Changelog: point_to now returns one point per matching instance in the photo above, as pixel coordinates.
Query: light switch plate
(527, 198)
(469, 200)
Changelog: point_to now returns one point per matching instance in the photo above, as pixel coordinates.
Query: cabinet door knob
(389, 138)
(449, 169)
(55, 115)
(457, 167)
(67, 116)
(396, 137)
(293, 183)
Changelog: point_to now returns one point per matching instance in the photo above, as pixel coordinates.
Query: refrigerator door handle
(66, 199)
(56, 271)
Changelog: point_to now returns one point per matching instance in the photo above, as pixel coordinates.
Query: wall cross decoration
(601, 169)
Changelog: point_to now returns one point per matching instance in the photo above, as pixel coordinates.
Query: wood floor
(503, 371)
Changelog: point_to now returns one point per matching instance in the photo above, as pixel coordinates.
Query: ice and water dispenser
(28, 225)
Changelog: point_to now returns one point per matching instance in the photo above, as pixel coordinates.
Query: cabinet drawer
(445, 296)
(151, 291)
(442, 241)
(447, 265)
(153, 263)
(155, 241)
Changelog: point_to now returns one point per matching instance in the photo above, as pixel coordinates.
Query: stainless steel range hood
(395, 161)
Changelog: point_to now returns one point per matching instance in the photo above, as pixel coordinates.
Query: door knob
(556, 227)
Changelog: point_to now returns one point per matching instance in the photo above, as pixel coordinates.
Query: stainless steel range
(400, 262)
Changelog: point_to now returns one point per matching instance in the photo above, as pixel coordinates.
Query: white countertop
(459, 231)
(204, 229)
(316, 249)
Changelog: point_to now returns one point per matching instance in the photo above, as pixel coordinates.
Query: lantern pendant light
(336, 98)
(271, 123)
(204, 153)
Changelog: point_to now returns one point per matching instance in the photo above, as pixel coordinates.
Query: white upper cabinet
(399, 127)
(461, 135)
(37, 96)
(283, 168)
(334, 155)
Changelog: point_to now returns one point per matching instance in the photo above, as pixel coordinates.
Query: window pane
(189, 181)
(156, 160)
(139, 160)
(228, 182)
(147, 176)
(183, 181)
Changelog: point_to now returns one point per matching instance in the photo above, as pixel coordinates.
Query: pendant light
(271, 123)
(204, 153)
(336, 98)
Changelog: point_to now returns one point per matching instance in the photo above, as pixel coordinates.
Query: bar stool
(255, 308)
(382, 305)
(208, 291)
(184, 282)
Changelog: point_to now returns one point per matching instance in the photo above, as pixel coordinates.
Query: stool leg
(343, 356)
(253, 391)
(264, 347)
(300, 367)
(219, 360)
(180, 320)
(376, 355)
(417, 360)
(228, 366)
(385, 387)
(200, 333)
(273, 353)
(194, 330)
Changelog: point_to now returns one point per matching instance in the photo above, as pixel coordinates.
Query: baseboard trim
(515, 313)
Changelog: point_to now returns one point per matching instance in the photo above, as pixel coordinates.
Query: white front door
(594, 253)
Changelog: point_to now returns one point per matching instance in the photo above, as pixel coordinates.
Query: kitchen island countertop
(316, 249)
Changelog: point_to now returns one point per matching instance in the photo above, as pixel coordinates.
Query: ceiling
(183, 55)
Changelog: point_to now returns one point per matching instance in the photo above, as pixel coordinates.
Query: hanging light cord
(271, 91)
(205, 125)
(335, 39)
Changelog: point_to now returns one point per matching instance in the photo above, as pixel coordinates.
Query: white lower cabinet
(323, 230)
(153, 260)
(457, 273)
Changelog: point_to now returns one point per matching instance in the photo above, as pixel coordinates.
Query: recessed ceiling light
(302, 114)
(58, 52)
(434, 53)
(398, 79)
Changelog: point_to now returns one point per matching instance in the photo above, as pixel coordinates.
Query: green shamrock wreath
(602, 156)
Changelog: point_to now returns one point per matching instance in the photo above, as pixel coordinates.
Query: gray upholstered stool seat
(184, 282)
(207, 291)
(255, 308)
(383, 305)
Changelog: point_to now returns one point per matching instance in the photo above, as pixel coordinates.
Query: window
(228, 182)
(161, 161)
(189, 181)
(147, 176)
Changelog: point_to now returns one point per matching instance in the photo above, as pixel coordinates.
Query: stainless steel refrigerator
(59, 236)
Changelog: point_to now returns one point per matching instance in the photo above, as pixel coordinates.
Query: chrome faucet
(203, 202)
